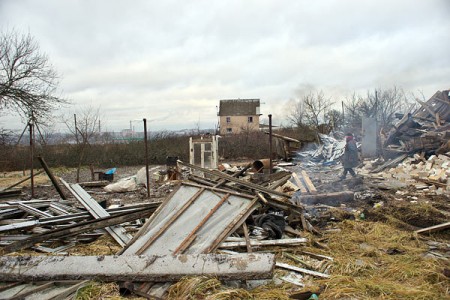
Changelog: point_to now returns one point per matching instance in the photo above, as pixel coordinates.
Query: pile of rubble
(205, 217)
(426, 129)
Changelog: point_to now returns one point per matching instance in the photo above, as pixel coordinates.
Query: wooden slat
(309, 185)
(435, 228)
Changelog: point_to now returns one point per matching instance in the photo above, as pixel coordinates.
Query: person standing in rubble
(350, 158)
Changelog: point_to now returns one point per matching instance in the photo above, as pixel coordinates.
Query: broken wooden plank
(20, 225)
(299, 183)
(136, 268)
(316, 256)
(309, 185)
(98, 183)
(434, 228)
(52, 178)
(33, 211)
(247, 238)
(258, 243)
(232, 179)
(301, 270)
(77, 229)
(117, 232)
(13, 193)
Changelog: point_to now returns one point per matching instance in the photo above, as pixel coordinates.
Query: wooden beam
(309, 185)
(434, 228)
(52, 178)
(136, 268)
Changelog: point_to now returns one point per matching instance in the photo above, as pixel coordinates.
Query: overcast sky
(172, 61)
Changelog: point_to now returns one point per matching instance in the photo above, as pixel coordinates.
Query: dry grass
(105, 245)
(98, 290)
(364, 270)
(10, 178)
(191, 288)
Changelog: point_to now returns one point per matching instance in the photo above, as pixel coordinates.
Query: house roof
(239, 107)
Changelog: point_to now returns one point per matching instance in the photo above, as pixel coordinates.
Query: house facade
(238, 115)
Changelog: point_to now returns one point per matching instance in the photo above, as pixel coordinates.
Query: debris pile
(426, 129)
(236, 231)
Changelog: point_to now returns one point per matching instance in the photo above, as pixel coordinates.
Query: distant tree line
(316, 112)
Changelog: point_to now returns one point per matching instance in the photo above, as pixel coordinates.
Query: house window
(228, 119)
(229, 130)
(250, 119)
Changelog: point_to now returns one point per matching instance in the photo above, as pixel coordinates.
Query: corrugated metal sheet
(202, 224)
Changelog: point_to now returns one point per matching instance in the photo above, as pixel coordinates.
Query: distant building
(238, 115)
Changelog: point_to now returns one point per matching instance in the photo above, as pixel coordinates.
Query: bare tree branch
(28, 81)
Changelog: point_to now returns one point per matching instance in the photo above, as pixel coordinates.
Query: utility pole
(30, 124)
(146, 158)
(270, 145)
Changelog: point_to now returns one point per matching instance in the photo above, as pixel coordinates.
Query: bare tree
(382, 105)
(84, 128)
(352, 114)
(316, 107)
(28, 81)
(296, 112)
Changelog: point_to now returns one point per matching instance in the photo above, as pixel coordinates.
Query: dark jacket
(350, 158)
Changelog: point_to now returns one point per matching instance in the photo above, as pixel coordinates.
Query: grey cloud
(182, 57)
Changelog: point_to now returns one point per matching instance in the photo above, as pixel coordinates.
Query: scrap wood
(77, 229)
(98, 183)
(117, 232)
(301, 270)
(309, 185)
(315, 255)
(52, 178)
(297, 259)
(232, 179)
(20, 225)
(299, 183)
(13, 193)
(258, 243)
(54, 290)
(434, 228)
(136, 268)
(390, 163)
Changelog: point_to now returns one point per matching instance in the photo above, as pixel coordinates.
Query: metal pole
(146, 158)
(30, 124)
(270, 145)
(76, 128)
